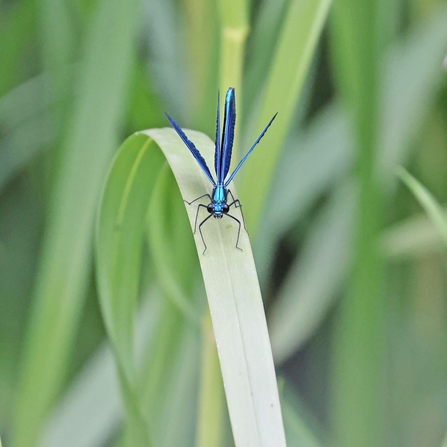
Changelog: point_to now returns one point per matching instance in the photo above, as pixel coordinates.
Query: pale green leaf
(229, 275)
(235, 303)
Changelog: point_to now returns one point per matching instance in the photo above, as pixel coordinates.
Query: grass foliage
(123, 333)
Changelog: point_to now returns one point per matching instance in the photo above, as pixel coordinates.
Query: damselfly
(218, 205)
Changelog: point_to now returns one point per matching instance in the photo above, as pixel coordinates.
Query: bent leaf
(229, 275)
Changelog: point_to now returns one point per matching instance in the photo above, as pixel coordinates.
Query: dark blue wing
(228, 134)
(217, 150)
(194, 151)
(249, 151)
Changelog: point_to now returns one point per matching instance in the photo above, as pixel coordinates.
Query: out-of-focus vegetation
(352, 270)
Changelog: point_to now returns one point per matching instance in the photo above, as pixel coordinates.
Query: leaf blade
(236, 308)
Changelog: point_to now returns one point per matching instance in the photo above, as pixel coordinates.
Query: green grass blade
(235, 304)
(174, 355)
(230, 279)
(299, 36)
(168, 227)
(120, 230)
(428, 202)
(65, 261)
(234, 30)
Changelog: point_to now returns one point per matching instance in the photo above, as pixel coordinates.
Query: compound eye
(225, 208)
(210, 208)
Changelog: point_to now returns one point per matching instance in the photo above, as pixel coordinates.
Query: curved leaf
(235, 304)
(229, 274)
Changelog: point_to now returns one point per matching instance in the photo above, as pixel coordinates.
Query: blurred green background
(352, 271)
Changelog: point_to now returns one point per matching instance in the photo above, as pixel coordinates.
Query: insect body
(219, 206)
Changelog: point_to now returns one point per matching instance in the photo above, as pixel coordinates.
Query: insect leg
(237, 204)
(233, 200)
(200, 231)
(195, 200)
(238, 230)
(197, 215)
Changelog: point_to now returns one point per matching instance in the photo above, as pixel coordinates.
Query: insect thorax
(219, 194)
(218, 206)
